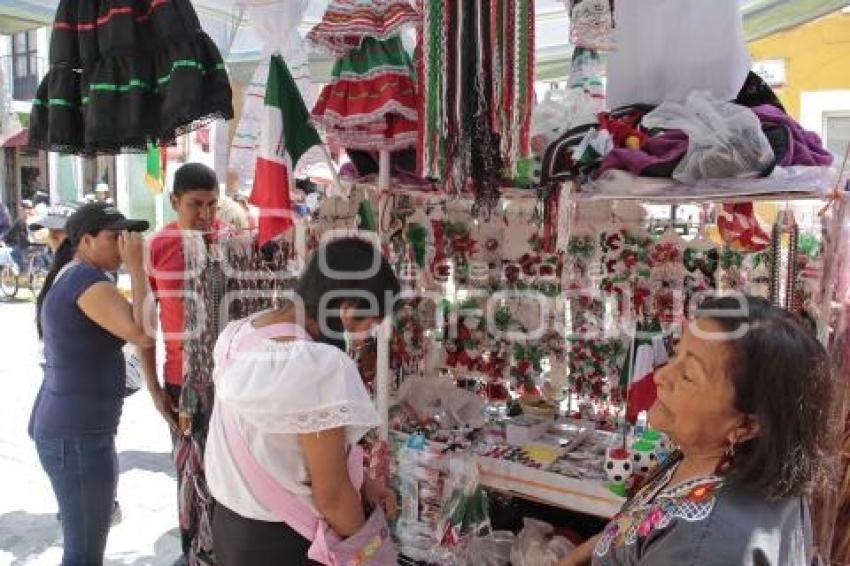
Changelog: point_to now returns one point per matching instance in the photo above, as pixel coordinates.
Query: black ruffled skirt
(125, 73)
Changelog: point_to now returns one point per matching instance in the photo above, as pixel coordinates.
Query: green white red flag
(287, 134)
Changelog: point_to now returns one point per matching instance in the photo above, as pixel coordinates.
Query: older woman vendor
(746, 399)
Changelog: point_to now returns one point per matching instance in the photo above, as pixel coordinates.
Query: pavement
(29, 531)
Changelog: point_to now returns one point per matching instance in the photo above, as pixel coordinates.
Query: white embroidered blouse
(278, 390)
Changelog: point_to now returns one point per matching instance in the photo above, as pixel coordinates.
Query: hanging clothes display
(477, 91)
(276, 24)
(656, 62)
(122, 76)
(371, 103)
(233, 280)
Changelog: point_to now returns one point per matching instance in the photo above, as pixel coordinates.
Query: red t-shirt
(167, 279)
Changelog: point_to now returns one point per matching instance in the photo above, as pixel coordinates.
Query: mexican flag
(637, 378)
(287, 134)
(153, 169)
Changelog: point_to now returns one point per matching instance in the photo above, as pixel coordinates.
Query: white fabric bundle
(668, 48)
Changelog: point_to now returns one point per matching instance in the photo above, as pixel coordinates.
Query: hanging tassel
(523, 100)
(784, 243)
(509, 72)
(565, 212)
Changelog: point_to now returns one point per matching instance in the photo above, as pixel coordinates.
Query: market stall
(548, 307)
(550, 251)
(572, 391)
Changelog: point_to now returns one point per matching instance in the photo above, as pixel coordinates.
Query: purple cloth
(667, 147)
(804, 147)
(349, 171)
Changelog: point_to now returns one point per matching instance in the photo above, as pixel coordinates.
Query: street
(29, 531)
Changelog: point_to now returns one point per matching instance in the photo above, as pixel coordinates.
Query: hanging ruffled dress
(371, 102)
(123, 74)
(347, 22)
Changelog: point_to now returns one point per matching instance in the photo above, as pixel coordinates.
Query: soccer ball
(644, 456)
(618, 465)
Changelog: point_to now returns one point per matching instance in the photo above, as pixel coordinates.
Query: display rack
(589, 497)
(592, 496)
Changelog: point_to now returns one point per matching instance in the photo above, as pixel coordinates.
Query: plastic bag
(562, 110)
(492, 550)
(442, 400)
(419, 475)
(586, 68)
(134, 377)
(586, 88)
(548, 122)
(535, 547)
(465, 513)
(725, 140)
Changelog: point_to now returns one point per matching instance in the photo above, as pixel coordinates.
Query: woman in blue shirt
(84, 322)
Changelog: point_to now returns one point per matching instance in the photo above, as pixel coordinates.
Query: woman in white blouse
(299, 403)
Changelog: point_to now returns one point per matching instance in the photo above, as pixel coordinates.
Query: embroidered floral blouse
(705, 521)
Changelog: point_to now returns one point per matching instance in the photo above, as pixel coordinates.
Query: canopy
(226, 23)
(16, 139)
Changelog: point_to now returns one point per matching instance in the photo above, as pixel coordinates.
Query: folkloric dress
(126, 74)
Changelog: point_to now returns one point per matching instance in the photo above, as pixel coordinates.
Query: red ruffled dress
(371, 102)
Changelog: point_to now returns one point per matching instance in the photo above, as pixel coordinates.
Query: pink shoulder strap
(287, 507)
(265, 488)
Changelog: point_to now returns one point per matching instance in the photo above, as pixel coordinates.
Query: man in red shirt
(195, 199)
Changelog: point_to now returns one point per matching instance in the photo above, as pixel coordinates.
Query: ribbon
(836, 194)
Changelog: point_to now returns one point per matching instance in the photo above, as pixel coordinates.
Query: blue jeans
(83, 471)
(18, 256)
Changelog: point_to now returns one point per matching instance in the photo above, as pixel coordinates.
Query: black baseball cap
(96, 216)
(56, 218)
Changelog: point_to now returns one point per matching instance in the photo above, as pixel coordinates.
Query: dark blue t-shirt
(84, 373)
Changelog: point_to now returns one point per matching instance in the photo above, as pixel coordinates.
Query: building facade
(809, 67)
(23, 171)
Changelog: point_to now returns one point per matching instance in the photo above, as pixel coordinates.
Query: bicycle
(8, 272)
(39, 267)
(37, 260)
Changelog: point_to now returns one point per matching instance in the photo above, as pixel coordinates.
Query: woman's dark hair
(781, 376)
(64, 254)
(324, 285)
(82, 222)
(194, 177)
